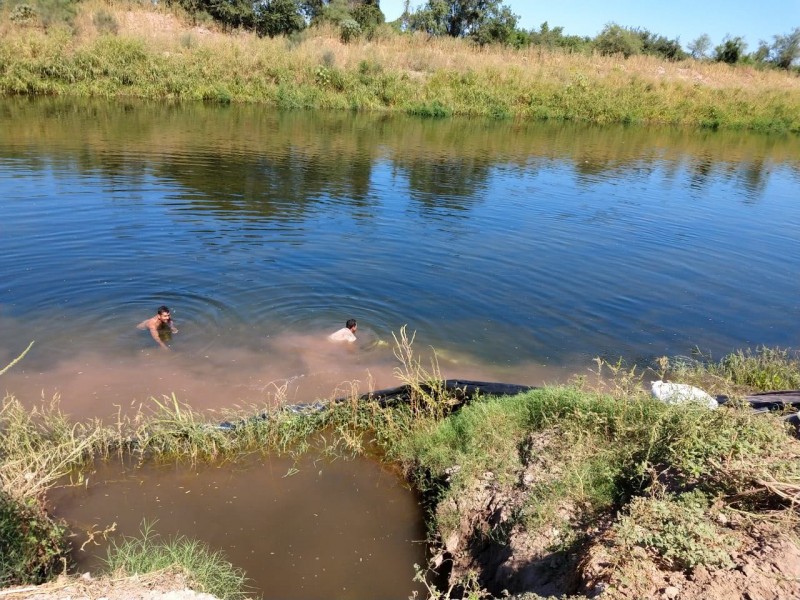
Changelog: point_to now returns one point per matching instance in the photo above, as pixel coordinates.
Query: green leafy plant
(33, 545)
(678, 530)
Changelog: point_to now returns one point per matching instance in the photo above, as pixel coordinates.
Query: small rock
(671, 592)
(451, 543)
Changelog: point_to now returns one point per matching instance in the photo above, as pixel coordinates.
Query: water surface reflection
(518, 251)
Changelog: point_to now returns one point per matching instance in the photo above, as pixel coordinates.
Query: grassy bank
(156, 55)
(571, 470)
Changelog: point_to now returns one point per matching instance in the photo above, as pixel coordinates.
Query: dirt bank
(170, 585)
(574, 556)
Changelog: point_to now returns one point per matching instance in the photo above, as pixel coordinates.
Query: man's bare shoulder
(147, 323)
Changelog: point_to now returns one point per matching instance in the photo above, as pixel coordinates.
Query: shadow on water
(306, 529)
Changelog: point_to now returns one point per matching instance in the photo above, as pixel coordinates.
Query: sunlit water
(518, 252)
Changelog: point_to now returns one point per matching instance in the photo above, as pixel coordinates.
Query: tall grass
(743, 371)
(207, 571)
(149, 58)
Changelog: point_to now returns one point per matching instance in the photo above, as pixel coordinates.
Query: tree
(279, 17)
(458, 18)
(554, 38)
(499, 26)
(785, 49)
(658, 45)
(615, 39)
(730, 50)
(699, 48)
(366, 12)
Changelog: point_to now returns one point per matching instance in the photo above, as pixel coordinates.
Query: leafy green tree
(731, 50)
(761, 55)
(367, 13)
(785, 50)
(615, 39)
(279, 17)
(554, 38)
(499, 26)
(458, 18)
(658, 45)
(699, 48)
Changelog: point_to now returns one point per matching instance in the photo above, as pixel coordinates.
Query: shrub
(105, 23)
(349, 30)
(677, 529)
(615, 39)
(23, 14)
(434, 110)
(33, 545)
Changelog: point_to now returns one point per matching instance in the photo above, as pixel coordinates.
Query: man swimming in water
(346, 333)
(160, 324)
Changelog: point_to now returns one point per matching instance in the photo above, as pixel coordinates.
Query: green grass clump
(744, 371)
(32, 543)
(208, 571)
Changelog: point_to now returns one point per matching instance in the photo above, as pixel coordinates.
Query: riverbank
(156, 54)
(592, 488)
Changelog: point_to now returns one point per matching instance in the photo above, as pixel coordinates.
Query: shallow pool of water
(306, 529)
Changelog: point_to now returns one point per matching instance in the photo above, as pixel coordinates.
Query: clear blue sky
(684, 19)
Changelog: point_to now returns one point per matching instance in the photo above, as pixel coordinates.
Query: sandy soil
(154, 586)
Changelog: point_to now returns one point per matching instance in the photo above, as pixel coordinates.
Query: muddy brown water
(312, 528)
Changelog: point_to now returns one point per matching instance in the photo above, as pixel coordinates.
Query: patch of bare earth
(766, 567)
(169, 585)
(490, 541)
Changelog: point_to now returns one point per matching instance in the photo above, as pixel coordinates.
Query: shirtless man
(159, 324)
(346, 333)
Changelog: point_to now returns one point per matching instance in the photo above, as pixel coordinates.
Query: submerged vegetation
(162, 53)
(578, 469)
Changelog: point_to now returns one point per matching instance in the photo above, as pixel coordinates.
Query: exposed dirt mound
(492, 542)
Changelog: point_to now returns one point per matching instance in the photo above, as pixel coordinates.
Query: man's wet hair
(350, 323)
(163, 309)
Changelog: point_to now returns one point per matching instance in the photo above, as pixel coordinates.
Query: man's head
(163, 313)
(351, 325)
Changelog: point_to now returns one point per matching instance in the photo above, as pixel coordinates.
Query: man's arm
(153, 327)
